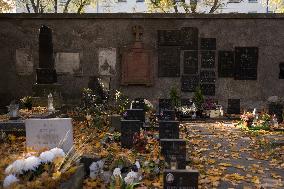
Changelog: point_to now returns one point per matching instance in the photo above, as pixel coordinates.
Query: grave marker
(189, 38)
(207, 59)
(135, 114)
(165, 104)
(174, 149)
(128, 130)
(168, 115)
(189, 83)
(169, 61)
(168, 129)
(226, 64)
(208, 43)
(49, 133)
(190, 62)
(181, 179)
(234, 106)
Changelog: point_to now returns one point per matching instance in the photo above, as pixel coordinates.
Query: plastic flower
(16, 167)
(10, 179)
(130, 177)
(116, 172)
(31, 163)
(58, 152)
(47, 156)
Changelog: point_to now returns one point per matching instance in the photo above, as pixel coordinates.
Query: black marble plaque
(165, 104)
(168, 115)
(180, 179)
(169, 61)
(174, 149)
(189, 38)
(138, 103)
(189, 83)
(226, 64)
(207, 76)
(128, 130)
(234, 106)
(277, 110)
(207, 59)
(208, 43)
(208, 89)
(135, 114)
(186, 102)
(190, 62)
(281, 72)
(169, 37)
(168, 129)
(246, 60)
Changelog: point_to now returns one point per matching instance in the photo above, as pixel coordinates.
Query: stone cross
(138, 32)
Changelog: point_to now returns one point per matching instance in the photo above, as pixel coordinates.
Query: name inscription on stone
(190, 62)
(169, 61)
(226, 64)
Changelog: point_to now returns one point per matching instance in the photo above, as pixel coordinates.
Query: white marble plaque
(107, 61)
(24, 62)
(49, 133)
(66, 62)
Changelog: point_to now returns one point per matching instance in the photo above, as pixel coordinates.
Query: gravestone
(208, 43)
(207, 59)
(207, 76)
(281, 72)
(49, 133)
(189, 83)
(135, 114)
(138, 103)
(180, 179)
(169, 37)
(128, 130)
(165, 104)
(46, 74)
(190, 62)
(168, 115)
(246, 60)
(107, 61)
(137, 66)
(169, 61)
(234, 106)
(208, 89)
(168, 129)
(115, 122)
(189, 38)
(174, 149)
(277, 109)
(186, 102)
(14, 127)
(226, 64)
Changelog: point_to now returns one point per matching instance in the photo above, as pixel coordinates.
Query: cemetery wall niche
(189, 39)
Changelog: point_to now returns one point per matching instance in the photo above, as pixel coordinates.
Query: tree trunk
(65, 10)
(214, 7)
(55, 6)
(34, 6)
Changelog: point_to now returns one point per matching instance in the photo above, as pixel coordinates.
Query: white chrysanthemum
(116, 172)
(58, 152)
(31, 163)
(137, 164)
(46, 156)
(16, 167)
(10, 179)
(129, 180)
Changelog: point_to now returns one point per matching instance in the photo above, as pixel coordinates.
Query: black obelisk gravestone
(46, 74)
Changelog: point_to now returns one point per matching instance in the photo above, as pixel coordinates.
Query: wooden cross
(138, 32)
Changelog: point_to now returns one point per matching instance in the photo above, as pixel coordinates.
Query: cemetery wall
(83, 42)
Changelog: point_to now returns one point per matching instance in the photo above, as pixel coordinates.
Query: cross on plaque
(138, 32)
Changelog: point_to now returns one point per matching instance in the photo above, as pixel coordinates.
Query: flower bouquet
(247, 119)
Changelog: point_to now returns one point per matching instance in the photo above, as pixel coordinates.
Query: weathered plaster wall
(87, 34)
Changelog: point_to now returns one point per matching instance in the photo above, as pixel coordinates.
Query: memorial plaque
(138, 103)
(135, 114)
(49, 133)
(190, 62)
(128, 130)
(246, 60)
(14, 127)
(24, 62)
(276, 109)
(234, 106)
(207, 59)
(168, 115)
(174, 150)
(168, 129)
(226, 64)
(207, 76)
(189, 38)
(107, 61)
(169, 37)
(189, 83)
(208, 44)
(281, 73)
(169, 62)
(180, 179)
(208, 89)
(66, 62)
(186, 102)
(165, 104)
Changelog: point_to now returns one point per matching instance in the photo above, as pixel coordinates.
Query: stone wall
(82, 41)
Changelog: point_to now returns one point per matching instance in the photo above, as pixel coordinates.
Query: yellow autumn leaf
(255, 180)
(225, 164)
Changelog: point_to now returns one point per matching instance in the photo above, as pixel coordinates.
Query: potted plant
(26, 102)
